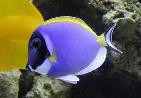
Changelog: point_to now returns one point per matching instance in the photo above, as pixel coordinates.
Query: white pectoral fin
(69, 78)
(108, 38)
(97, 62)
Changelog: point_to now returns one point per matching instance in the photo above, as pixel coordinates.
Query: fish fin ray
(108, 38)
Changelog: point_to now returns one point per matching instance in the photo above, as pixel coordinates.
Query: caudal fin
(108, 38)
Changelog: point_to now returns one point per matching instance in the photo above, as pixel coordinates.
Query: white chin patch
(43, 68)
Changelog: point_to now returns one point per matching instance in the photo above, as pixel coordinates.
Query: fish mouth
(29, 68)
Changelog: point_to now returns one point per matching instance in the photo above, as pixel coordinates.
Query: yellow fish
(18, 19)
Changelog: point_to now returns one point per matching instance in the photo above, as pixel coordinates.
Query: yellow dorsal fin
(18, 19)
(70, 19)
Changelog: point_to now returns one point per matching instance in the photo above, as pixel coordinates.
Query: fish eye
(36, 42)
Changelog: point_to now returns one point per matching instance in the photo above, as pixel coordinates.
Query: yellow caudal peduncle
(101, 40)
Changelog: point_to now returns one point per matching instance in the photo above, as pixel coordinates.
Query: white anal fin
(69, 78)
(97, 62)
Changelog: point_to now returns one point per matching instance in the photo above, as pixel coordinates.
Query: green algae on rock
(24, 84)
(9, 82)
(44, 87)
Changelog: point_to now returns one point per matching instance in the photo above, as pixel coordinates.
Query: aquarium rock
(24, 84)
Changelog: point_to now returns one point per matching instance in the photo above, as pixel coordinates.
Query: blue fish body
(72, 47)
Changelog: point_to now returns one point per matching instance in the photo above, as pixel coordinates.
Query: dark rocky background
(118, 77)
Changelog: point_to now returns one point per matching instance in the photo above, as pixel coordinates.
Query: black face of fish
(37, 51)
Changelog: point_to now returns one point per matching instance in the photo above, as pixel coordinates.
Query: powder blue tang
(72, 49)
